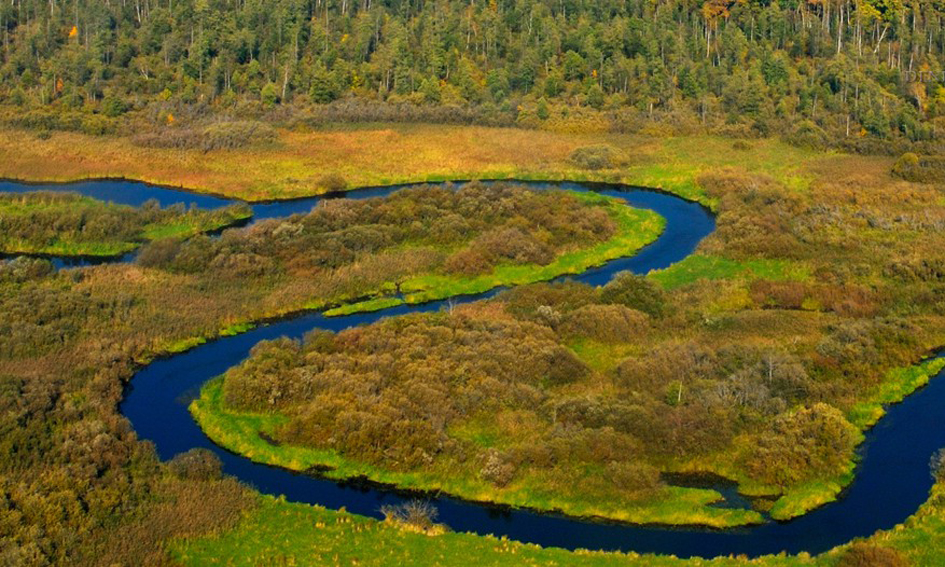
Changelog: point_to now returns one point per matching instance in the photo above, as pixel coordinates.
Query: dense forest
(67, 224)
(821, 71)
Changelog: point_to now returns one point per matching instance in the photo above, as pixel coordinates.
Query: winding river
(892, 479)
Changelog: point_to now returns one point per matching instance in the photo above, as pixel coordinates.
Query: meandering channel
(892, 480)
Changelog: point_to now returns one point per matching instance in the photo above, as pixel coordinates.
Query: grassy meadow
(301, 162)
(280, 533)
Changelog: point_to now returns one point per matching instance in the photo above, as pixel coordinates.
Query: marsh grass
(699, 267)
(72, 225)
(382, 154)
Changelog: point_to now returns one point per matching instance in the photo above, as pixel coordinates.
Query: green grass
(364, 306)
(899, 383)
(802, 499)
(184, 345)
(601, 356)
(700, 267)
(922, 536)
(240, 432)
(236, 329)
(280, 533)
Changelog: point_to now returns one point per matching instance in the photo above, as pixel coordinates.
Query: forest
(867, 75)
(67, 224)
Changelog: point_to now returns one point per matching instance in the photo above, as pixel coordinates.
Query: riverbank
(338, 157)
(65, 225)
(247, 434)
(305, 535)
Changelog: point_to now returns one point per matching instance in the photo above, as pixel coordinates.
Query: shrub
(159, 253)
(862, 554)
(113, 107)
(332, 183)
(497, 469)
(633, 476)
(419, 514)
(515, 245)
(924, 169)
(608, 323)
(44, 121)
(804, 444)
(808, 135)
(24, 268)
(217, 136)
(196, 464)
(906, 165)
(525, 301)
(636, 292)
(238, 134)
(781, 295)
(355, 110)
(937, 465)
(468, 262)
(564, 367)
(598, 157)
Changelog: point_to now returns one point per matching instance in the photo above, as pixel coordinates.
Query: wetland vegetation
(793, 316)
(819, 285)
(569, 397)
(813, 129)
(67, 224)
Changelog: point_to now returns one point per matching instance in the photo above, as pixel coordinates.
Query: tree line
(844, 68)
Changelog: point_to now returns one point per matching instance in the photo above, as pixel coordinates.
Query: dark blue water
(892, 481)
(136, 193)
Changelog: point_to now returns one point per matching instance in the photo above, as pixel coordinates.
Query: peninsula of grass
(635, 228)
(249, 434)
(68, 224)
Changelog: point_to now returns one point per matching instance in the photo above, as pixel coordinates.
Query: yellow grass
(387, 154)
